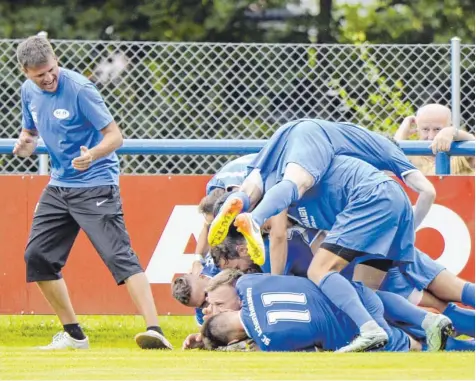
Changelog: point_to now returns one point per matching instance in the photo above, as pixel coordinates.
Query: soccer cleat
(367, 341)
(62, 340)
(254, 240)
(219, 227)
(437, 328)
(152, 340)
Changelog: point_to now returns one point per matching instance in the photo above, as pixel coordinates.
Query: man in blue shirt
(282, 313)
(81, 136)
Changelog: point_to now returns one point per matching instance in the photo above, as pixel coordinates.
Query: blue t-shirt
(231, 174)
(345, 179)
(71, 117)
(375, 149)
(299, 251)
(283, 313)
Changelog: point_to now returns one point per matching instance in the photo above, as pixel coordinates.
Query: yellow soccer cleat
(221, 224)
(252, 233)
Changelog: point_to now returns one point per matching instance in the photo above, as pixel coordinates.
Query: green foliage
(408, 21)
(382, 107)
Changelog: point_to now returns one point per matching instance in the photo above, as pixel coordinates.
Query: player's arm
(278, 242)
(94, 109)
(201, 249)
(28, 139)
(112, 140)
(427, 194)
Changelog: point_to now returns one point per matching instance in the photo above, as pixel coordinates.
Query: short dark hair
(182, 290)
(215, 332)
(227, 250)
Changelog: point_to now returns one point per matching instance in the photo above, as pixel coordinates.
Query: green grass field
(114, 356)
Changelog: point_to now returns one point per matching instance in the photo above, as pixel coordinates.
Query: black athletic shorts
(59, 215)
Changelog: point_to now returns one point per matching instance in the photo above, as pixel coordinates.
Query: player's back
(371, 147)
(347, 178)
(283, 313)
(231, 174)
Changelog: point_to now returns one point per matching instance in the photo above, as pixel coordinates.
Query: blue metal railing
(241, 147)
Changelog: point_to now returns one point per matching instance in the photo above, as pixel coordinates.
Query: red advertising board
(162, 218)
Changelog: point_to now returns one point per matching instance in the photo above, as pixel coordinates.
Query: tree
(408, 21)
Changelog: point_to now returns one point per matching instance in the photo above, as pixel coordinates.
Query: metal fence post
(456, 81)
(442, 164)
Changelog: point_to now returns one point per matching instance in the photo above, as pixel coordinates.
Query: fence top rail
(237, 44)
(231, 147)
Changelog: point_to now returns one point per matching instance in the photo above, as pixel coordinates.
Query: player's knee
(122, 265)
(299, 176)
(34, 257)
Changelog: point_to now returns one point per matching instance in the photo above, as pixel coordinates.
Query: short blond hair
(34, 51)
(226, 277)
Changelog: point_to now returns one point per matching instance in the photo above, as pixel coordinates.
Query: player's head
(431, 119)
(189, 290)
(222, 329)
(221, 293)
(232, 253)
(39, 63)
(207, 204)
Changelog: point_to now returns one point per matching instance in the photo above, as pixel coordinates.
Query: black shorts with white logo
(59, 215)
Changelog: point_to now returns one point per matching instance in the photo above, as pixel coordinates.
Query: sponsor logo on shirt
(61, 113)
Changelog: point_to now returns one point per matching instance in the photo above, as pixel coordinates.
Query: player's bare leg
(141, 293)
(56, 293)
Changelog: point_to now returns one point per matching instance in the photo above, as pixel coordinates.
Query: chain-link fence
(206, 90)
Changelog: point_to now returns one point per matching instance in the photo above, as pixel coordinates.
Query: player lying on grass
(284, 313)
(442, 288)
(365, 211)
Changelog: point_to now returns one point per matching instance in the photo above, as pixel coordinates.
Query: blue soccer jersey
(282, 313)
(362, 209)
(71, 117)
(299, 251)
(375, 149)
(231, 174)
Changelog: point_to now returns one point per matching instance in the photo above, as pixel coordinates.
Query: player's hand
(25, 145)
(81, 163)
(197, 268)
(442, 141)
(193, 341)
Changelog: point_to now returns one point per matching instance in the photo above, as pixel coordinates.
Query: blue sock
(459, 345)
(462, 318)
(244, 198)
(278, 198)
(397, 308)
(343, 295)
(467, 297)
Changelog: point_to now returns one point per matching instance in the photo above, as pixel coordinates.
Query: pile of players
(311, 247)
